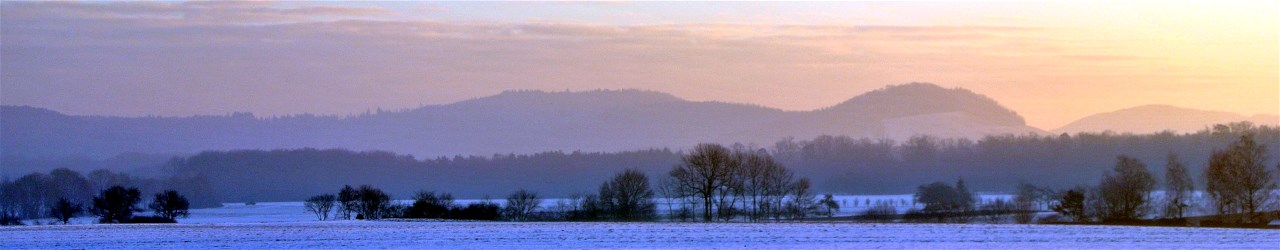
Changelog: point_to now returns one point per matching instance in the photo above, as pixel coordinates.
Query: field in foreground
(391, 234)
(276, 225)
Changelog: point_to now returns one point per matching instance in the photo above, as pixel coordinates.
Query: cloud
(139, 58)
(186, 13)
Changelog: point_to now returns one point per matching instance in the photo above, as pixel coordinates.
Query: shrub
(149, 219)
(882, 213)
(9, 219)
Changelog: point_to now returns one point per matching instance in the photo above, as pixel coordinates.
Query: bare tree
(372, 203)
(965, 199)
(427, 204)
(996, 210)
(1178, 188)
(627, 197)
(170, 205)
(754, 182)
(1238, 179)
(667, 188)
(829, 203)
(704, 173)
(938, 197)
(31, 194)
(521, 205)
(1024, 212)
(347, 201)
(881, 213)
(1031, 195)
(71, 185)
(116, 204)
(802, 201)
(1072, 205)
(777, 183)
(64, 210)
(321, 205)
(1126, 192)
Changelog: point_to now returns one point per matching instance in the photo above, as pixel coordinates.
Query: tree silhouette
(1071, 205)
(521, 205)
(703, 172)
(829, 203)
(429, 205)
(627, 197)
(372, 203)
(802, 200)
(1238, 179)
(1178, 188)
(170, 205)
(116, 204)
(64, 210)
(321, 205)
(1125, 192)
(347, 201)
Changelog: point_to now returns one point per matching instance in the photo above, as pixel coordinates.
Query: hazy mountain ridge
(1156, 118)
(520, 122)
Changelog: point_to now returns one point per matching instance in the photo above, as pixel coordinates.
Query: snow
(275, 225)
(544, 235)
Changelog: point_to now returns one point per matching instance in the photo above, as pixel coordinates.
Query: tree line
(837, 164)
(625, 197)
(1240, 186)
(737, 182)
(115, 204)
(713, 183)
(35, 195)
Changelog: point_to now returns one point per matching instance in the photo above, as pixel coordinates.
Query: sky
(1052, 62)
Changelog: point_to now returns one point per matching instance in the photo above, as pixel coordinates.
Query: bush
(918, 216)
(116, 204)
(373, 203)
(429, 205)
(64, 210)
(483, 210)
(1052, 219)
(321, 205)
(882, 213)
(521, 205)
(8, 219)
(170, 204)
(149, 219)
(996, 211)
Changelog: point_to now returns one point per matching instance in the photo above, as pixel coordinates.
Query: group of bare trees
(943, 201)
(365, 202)
(727, 183)
(1126, 193)
(64, 193)
(626, 197)
(1237, 180)
(31, 198)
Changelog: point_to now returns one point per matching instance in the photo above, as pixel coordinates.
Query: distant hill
(1156, 118)
(517, 122)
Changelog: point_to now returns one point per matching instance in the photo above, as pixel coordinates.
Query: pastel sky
(1052, 62)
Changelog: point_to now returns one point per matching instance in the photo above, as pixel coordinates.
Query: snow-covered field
(275, 225)
(558, 235)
